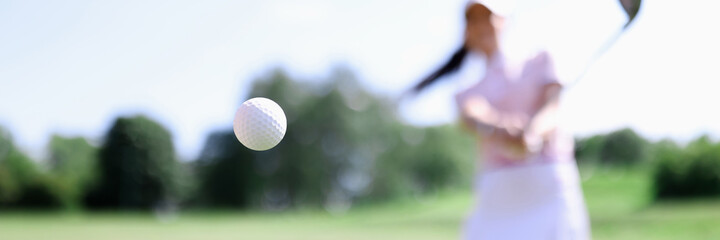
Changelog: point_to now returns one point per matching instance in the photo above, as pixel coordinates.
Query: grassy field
(618, 201)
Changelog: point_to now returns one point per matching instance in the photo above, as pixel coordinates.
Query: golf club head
(631, 7)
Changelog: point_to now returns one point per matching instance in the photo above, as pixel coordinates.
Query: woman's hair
(452, 65)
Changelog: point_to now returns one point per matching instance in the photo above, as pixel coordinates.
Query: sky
(72, 67)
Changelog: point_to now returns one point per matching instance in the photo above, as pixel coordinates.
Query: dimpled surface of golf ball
(259, 124)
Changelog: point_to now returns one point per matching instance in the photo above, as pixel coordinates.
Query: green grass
(619, 203)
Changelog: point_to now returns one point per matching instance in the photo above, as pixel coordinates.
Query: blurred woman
(529, 186)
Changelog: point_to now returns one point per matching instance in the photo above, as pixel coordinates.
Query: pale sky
(73, 67)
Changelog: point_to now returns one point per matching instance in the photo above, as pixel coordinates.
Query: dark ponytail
(451, 66)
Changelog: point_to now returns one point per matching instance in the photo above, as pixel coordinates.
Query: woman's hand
(516, 146)
(477, 113)
(513, 124)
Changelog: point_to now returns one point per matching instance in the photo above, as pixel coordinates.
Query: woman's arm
(478, 113)
(544, 121)
(497, 126)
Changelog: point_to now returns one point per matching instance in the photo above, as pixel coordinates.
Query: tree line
(344, 146)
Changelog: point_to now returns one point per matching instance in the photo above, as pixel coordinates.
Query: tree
(623, 147)
(228, 172)
(587, 150)
(336, 132)
(22, 184)
(423, 160)
(137, 166)
(72, 163)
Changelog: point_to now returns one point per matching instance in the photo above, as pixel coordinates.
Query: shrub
(136, 168)
(690, 172)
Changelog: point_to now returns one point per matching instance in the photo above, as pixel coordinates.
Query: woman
(528, 186)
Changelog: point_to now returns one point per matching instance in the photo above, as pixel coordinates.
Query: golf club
(631, 8)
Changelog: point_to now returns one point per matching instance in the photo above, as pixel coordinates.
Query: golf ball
(259, 124)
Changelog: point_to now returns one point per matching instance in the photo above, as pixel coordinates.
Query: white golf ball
(259, 124)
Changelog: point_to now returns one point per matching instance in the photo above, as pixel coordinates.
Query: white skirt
(536, 201)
